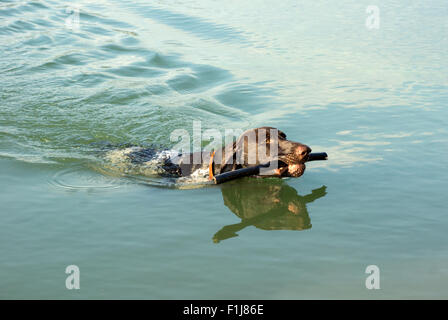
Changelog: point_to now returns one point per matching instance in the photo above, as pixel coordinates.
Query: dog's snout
(303, 150)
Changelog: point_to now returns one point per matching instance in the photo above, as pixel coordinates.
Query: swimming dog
(253, 147)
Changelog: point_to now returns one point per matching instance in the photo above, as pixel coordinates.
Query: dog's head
(261, 145)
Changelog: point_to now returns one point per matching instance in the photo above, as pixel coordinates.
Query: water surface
(374, 99)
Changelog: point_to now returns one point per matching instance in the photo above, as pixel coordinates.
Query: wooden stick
(255, 170)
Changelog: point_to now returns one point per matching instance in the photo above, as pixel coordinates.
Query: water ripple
(78, 178)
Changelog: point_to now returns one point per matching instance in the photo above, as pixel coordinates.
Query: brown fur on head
(264, 144)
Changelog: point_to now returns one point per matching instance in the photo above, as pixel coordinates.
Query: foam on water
(119, 162)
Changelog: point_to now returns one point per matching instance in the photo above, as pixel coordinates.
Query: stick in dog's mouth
(317, 156)
(293, 168)
(296, 167)
(244, 172)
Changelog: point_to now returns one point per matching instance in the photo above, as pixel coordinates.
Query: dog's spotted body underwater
(253, 147)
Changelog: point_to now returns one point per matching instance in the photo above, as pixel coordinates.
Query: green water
(374, 99)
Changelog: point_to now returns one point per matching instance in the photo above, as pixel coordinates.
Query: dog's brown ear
(282, 134)
(232, 150)
(228, 162)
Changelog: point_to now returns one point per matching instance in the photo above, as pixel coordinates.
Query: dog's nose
(303, 150)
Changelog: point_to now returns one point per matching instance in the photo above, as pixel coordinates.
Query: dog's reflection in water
(266, 205)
